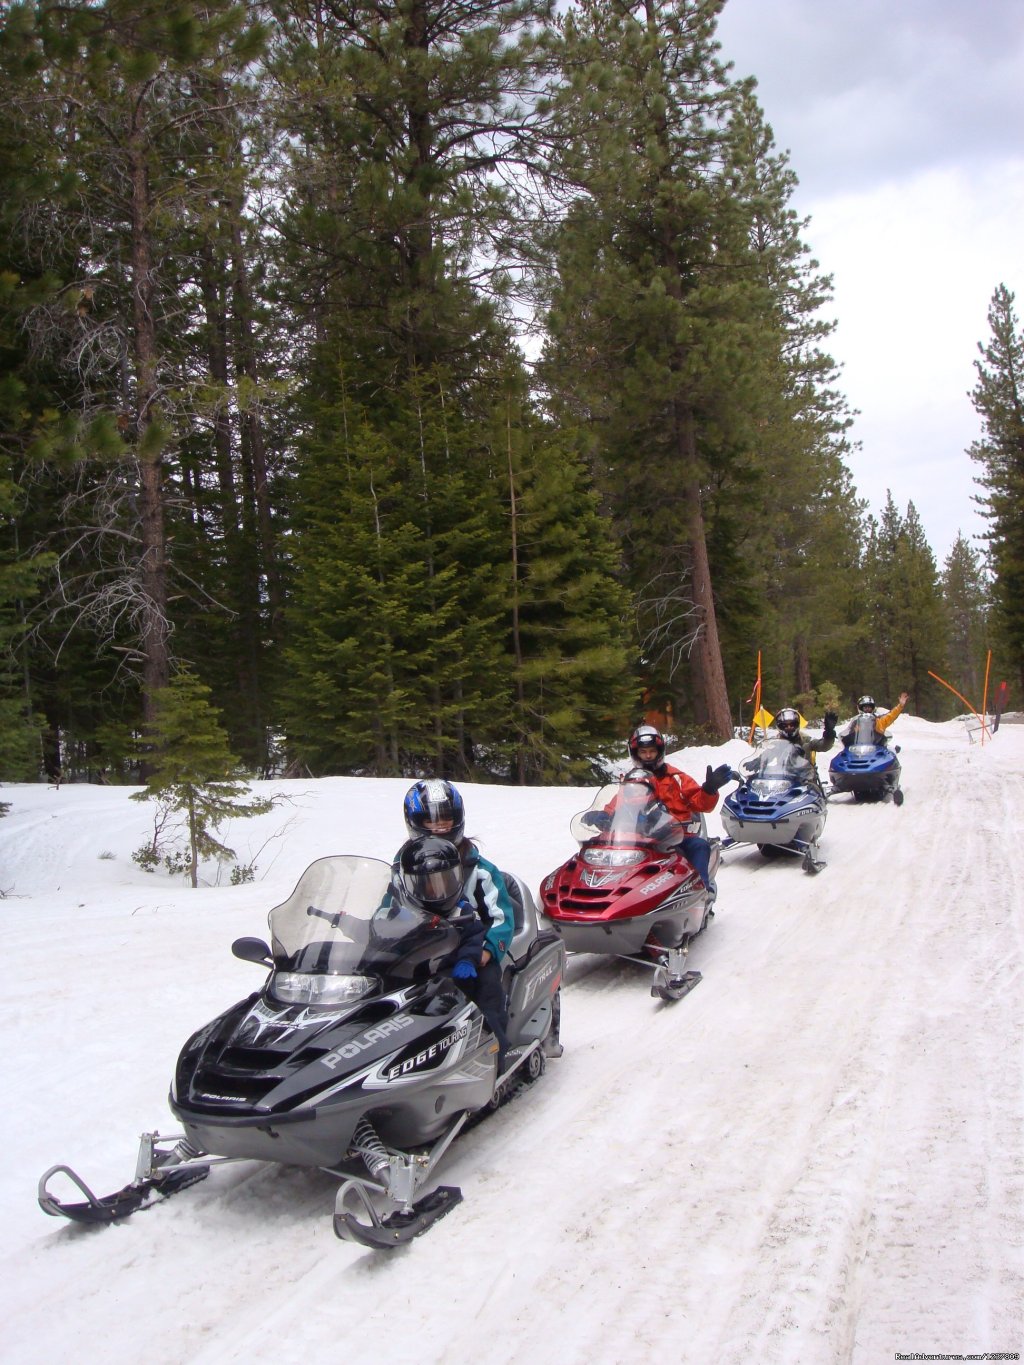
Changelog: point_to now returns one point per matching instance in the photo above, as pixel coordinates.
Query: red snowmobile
(628, 892)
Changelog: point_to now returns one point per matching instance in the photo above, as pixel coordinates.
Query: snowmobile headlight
(769, 786)
(612, 857)
(315, 988)
(862, 750)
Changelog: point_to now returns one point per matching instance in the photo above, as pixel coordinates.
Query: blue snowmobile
(779, 806)
(866, 766)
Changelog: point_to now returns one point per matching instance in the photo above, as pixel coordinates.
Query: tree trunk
(517, 644)
(253, 444)
(709, 674)
(801, 664)
(193, 840)
(153, 554)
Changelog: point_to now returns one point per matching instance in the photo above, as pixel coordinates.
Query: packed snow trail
(816, 1157)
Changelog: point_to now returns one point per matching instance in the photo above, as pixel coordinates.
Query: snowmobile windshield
(626, 814)
(779, 761)
(341, 921)
(863, 734)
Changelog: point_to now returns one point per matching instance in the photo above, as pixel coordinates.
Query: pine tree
(906, 639)
(571, 633)
(396, 634)
(965, 594)
(998, 399)
(798, 559)
(636, 147)
(411, 111)
(193, 772)
(684, 334)
(131, 101)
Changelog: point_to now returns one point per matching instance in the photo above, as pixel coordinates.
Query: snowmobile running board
(798, 847)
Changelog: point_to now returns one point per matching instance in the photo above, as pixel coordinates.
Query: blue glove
(464, 970)
(596, 819)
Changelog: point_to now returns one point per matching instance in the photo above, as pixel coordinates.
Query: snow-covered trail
(816, 1157)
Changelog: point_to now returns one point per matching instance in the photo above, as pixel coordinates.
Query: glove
(831, 719)
(464, 970)
(596, 819)
(716, 779)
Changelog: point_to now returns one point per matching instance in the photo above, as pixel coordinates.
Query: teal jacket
(486, 889)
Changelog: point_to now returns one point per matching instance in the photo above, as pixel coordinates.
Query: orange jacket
(882, 723)
(680, 795)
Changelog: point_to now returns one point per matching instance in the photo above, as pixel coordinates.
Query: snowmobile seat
(525, 913)
(516, 897)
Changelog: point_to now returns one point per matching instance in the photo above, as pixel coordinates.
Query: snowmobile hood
(355, 976)
(262, 1058)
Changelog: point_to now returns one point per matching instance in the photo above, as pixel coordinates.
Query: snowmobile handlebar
(333, 920)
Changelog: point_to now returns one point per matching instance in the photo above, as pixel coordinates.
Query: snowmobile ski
(398, 1228)
(671, 988)
(99, 1210)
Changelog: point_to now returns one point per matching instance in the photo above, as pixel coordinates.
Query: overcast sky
(904, 122)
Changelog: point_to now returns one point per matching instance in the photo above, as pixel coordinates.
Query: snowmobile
(358, 1056)
(865, 765)
(779, 805)
(627, 892)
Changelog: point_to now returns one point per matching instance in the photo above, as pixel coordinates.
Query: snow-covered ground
(817, 1156)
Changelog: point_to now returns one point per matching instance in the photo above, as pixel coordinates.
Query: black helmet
(866, 704)
(431, 873)
(787, 722)
(647, 735)
(428, 803)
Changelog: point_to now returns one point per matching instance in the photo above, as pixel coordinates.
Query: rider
(787, 723)
(435, 806)
(430, 873)
(636, 796)
(866, 707)
(681, 796)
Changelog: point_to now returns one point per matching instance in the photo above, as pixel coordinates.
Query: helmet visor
(435, 889)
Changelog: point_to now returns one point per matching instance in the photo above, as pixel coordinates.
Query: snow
(817, 1156)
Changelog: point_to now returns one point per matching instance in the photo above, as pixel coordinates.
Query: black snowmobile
(356, 1057)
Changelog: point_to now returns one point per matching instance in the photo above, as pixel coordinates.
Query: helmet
(637, 785)
(431, 873)
(787, 722)
(866, 704)
(647, 735)
(429, 803)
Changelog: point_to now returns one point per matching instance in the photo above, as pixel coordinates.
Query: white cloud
(902, 124)
(915, 264)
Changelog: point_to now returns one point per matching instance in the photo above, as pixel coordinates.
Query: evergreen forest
(437, 386)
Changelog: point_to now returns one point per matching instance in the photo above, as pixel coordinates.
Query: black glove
(716, 779)
(597, 819)
(829, 730)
